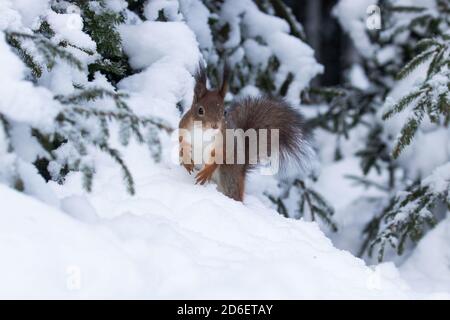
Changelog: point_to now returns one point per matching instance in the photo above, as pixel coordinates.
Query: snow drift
(174, 240)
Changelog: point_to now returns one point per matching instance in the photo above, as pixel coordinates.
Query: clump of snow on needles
(21, 100)
(168, 59)
(352, 16)
(69, 27)
(197, 18)
(170, 9)
(296, 57)
(30, 10)
(439, 180)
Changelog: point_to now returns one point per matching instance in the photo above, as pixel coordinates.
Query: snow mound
(428, 269)
(173, 240)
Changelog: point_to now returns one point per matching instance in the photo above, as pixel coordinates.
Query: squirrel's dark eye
(201, 111)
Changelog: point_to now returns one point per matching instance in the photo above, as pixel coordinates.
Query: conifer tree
(80, 127)
(419, 37)
(412, 210)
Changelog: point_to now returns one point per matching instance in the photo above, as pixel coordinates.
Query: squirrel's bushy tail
(275, 113)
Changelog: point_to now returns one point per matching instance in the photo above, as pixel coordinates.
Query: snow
(172, 41)
(173, 239)
(415, 158)
(40, 245)
(21, 101)
(352, 211)
(203, 245)
(439, 180)
(295, 56)
(9, 18)
(352, 17)
(386, 54)
(69, 27)
(34, 185)
(197, 16)
(358, 78)
(257, 53)
(338, 173)
(30, 10)
(116, 5)
(170, 9)
(439, 82)
(428, 270)
(168, 59)
(404, 18)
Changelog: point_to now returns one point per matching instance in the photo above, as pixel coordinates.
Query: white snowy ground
(173, 240)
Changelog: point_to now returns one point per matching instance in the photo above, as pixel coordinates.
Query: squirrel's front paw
(187, 162)
(189, 167)
(205, 174)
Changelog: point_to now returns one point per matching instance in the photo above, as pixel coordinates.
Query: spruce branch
(284, 12)
(280, 207)
(407, 9)
(126, 172)
(408, 214)
(406, 219)
(317, 205)
(88, 177)
(436, 62)
(364, 181)
(403, 103)
(24, 55)
(425, 44)
(90, 94)
(407, 133)
(415, 63)
(112, 115)
(47, 48)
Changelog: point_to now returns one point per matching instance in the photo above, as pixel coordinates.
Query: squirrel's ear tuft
(200, 82)
(225, 77)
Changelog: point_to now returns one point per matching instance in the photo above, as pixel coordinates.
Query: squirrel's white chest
(203, 144)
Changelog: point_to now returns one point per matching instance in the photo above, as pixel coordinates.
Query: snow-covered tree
(403, 110)
(73, 51)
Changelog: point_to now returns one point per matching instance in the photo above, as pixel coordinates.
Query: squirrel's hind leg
(232, 181)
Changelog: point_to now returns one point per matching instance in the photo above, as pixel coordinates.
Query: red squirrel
(256, 113)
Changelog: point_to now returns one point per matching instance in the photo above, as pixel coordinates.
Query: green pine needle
(407, 133)
(414, 63)
(402, 104)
